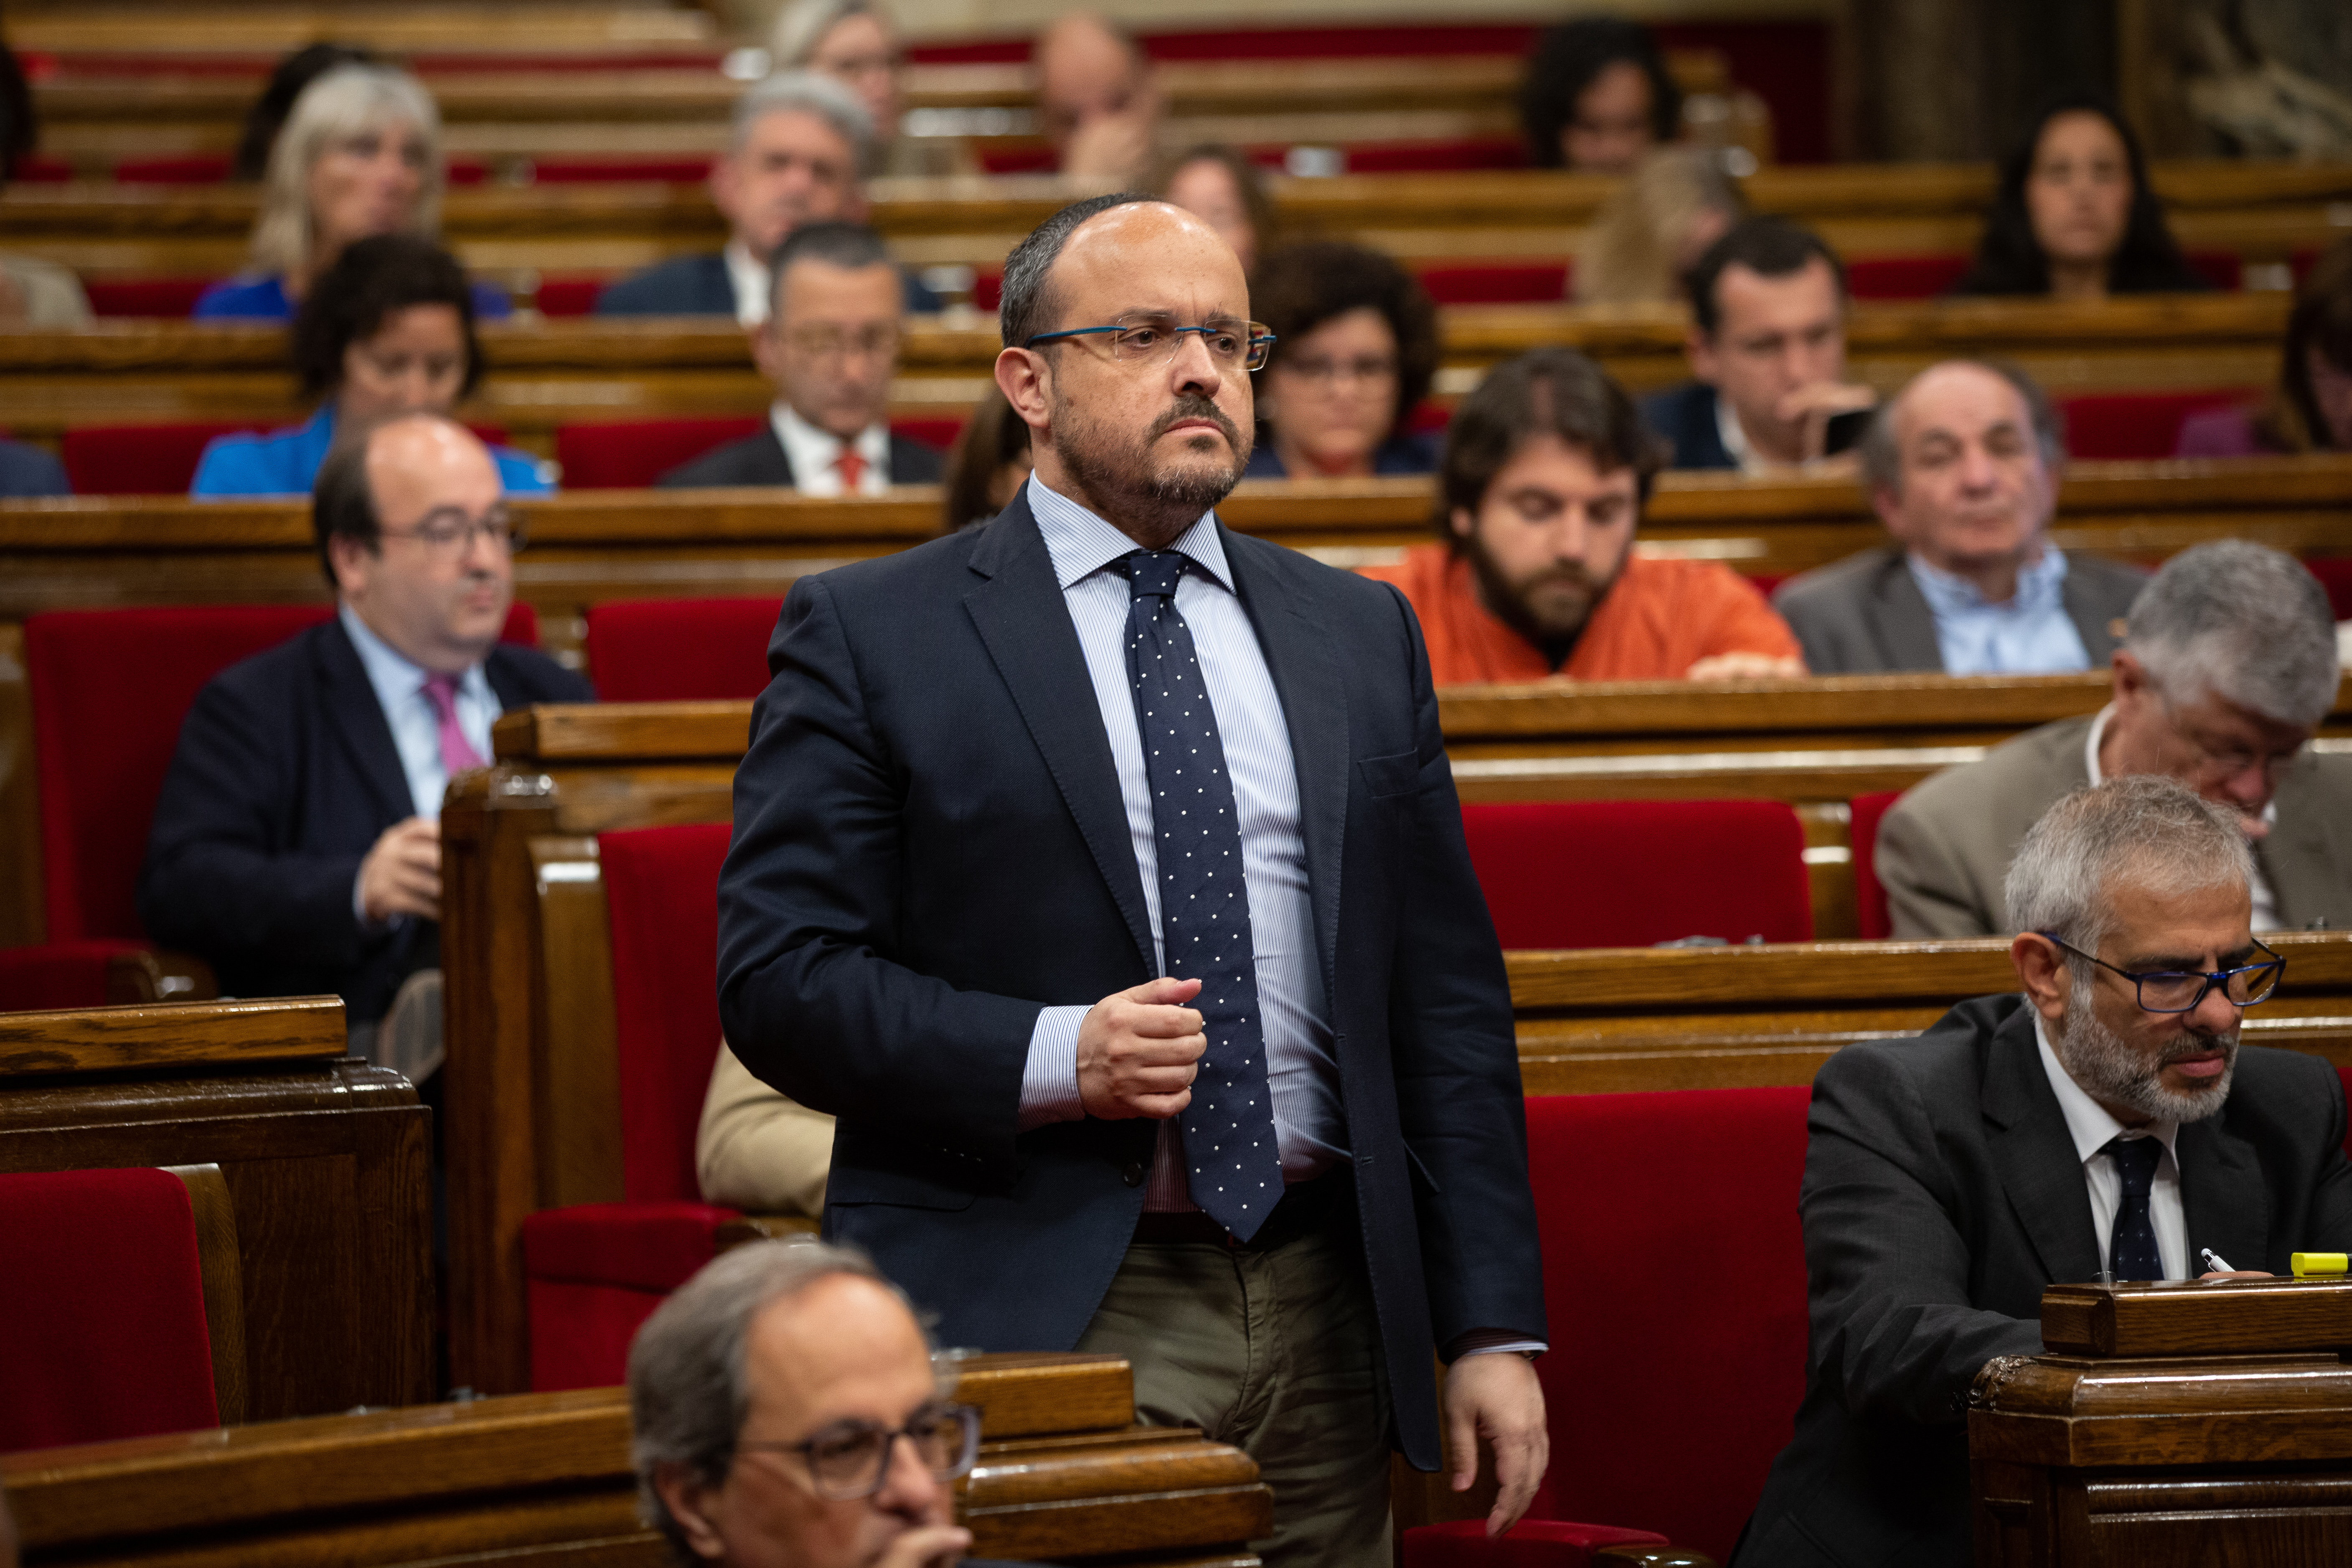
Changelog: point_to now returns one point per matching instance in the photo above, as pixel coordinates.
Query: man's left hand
(1496, 1397)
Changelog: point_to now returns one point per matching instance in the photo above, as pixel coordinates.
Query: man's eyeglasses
(1154, 340)
(2229, 762)
(877, 342)
(2181, 991)
(848, 1459)
(450, 532)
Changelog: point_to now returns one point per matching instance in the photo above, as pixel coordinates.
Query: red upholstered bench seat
(681, 650)
(58, 975)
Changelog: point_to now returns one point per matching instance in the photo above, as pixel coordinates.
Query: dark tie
(1232, 1167)
(2133, 1254)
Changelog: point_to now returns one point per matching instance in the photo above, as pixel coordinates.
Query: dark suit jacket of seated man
(296, 764)
(1950, 1177)
(933, 849)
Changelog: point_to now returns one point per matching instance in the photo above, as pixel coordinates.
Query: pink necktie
(458, 752)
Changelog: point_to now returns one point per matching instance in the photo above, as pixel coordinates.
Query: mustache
(1192, 405)
(2198, 1045)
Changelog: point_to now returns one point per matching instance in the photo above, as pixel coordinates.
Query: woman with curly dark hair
(1356, 347)
(387, 328)
(2074, 217)
(1598, 97)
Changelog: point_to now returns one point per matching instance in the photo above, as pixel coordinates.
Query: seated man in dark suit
(798, 151)
(27, 473)
(2230, 668)
(769, 1347)
(1767, 350)
(296, 846)
(2106, 1121)
(1962, 465)
(830, 346)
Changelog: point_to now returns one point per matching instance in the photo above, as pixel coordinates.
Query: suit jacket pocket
(1387, 777)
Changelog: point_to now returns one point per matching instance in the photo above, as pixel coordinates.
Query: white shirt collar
(2089, 1123)
(815, 453)
(749, 276)
(397, 678)
(1734, 436)
(1082, 542)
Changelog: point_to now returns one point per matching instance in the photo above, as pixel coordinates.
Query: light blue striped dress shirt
(1310, 1124)
(2031, 635)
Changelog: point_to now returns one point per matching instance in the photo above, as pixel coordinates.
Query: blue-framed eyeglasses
(2181, 991)
(1154, 340)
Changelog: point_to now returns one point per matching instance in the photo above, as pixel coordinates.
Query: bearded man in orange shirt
(1546, 466)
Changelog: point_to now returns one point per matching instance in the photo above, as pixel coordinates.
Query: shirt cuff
(1049, 1082)
(1491, 1342)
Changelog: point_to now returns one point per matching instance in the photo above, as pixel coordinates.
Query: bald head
(1087, 70)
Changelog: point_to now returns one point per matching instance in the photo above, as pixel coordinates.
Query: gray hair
(802, 25)
(2245, 623)
(1882, 452)
(808, 92)
(1024, 304)
(689, 1379)
(348, 102)
(849, 246)
(2145, 828)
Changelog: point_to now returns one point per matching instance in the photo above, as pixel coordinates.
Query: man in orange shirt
(1546, 466)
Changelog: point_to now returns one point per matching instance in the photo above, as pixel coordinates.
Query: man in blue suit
(798, 151)
(1101, 872)
(296, 846)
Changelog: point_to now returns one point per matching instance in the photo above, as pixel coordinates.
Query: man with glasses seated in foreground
(2229, 666)
(787, 1409)
(829, 346)
(296, 846)
(2105, 1121)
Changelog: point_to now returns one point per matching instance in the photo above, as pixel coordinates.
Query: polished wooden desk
(2174, 1424)
(326, 1158)
(1065, 1474)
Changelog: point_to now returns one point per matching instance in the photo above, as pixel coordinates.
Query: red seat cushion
(146, 297)
(567, 297)
(681, 650)
(1496, 283)
(2334, 574)
(1903, 277)
(2137, 425)
(1872, 922)
(139, 459)
(1645, 1202)
(174, 169)
(1630, 873)
(1530, 1543)
(56, 975)
(109, 690)
(634, 1246)
(632, 454)
(103, 1312)
(573, 171)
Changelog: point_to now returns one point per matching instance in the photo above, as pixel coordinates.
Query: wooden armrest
(141, 977)
(764, 1227)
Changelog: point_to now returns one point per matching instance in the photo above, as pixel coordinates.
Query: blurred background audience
(857, 44)
(989, 466)
(33, 292)
(1654, 227)
(1356, 346)
(1218, 184)
(1098, 102)
(2310, 407)
(268, 116)
(1598, 98)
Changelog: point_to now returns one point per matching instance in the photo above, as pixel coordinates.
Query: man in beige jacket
(757, 1150)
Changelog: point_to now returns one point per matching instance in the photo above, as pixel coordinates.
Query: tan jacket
(757, 1150)
(1944, 849)
(53, 296)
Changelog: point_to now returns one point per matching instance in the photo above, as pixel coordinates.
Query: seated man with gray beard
(2105, 1121)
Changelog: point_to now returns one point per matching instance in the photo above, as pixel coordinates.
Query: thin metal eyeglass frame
(2211, 978)
(966, 1415)
(510, 533)
(1258, 341)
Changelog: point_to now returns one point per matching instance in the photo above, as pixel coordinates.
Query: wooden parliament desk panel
(200, 30)
(2169, 1424)
(327, 1158)
(1064, 1473)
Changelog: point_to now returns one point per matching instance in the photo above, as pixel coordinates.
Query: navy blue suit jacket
(931, 845)
(1685, 416)
(27, 472)
(698, 286)
(285, 776)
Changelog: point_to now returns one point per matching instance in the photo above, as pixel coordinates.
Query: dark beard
(1509, 604)
(1116, 476)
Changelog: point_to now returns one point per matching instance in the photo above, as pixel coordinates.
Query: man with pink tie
(296, 843)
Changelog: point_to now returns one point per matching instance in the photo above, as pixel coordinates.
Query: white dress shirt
(1310, 1127)
(2265, 916)
(750, 278)
(414, 722)
(815, 454)
(2093, 1128)
(1734, 436)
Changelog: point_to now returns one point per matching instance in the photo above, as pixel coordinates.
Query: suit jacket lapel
(1023, 619)
(2033, 1153)
(2221, 1195)
(774, 464)
(715, 285)
(358, 720)
(1300, 655)
(1901, 624)
(2298, 855)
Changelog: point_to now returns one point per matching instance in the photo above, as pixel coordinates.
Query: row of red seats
(161, 458)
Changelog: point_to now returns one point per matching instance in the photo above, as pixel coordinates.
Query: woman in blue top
(1355, 348)
(388, 328)
(361, 155)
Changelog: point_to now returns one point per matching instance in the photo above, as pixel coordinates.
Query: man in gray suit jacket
(2229, 666)
(2108, 1119)
(1962, 467)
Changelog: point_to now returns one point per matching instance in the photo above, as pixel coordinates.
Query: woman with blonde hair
(855, 43)
(360, 156)
(1647, 234)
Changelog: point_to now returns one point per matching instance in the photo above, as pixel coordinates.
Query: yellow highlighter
(2317, 1265)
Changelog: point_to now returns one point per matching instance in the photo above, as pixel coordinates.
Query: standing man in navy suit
(1101, 872)
(296, 843)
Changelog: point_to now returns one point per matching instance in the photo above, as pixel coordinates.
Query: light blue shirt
(1309, 1123)
(414, 722)
(2029, 634)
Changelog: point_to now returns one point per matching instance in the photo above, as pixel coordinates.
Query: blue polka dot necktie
(2133, 1254)
(1232, 1167)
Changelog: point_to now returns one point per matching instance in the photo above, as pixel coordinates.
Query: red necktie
(852, 467)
